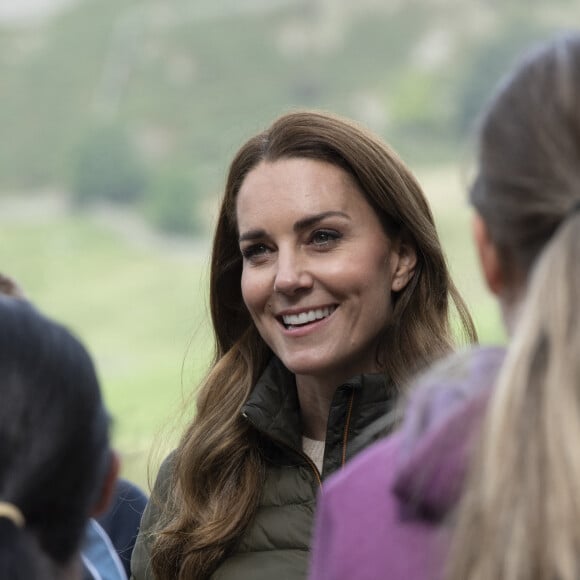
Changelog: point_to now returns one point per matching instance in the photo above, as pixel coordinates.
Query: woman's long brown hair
(218, 471)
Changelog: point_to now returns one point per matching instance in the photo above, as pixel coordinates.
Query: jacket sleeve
(141, 558)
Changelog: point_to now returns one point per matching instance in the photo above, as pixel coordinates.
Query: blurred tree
(107, 167)
(171, 203)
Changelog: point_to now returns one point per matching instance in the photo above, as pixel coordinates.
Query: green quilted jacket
(277, 542)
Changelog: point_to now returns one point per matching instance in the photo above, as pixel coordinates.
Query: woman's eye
(254, 251)
(324, 237)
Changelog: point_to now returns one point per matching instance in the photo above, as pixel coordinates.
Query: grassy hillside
(188, 81)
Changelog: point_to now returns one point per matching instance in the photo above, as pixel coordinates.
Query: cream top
(315, 450)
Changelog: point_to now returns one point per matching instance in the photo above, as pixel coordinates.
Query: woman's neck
(510, 306)
(315, 397)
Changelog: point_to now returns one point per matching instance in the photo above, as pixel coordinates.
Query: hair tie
(12, 513)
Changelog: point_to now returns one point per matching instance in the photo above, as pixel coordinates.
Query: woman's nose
(292, 274)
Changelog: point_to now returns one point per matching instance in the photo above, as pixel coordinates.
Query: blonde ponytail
(520, 512)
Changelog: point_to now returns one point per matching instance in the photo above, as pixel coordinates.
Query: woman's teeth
(306, 317)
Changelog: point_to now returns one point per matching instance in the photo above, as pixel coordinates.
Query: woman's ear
(108, 487)
(489, 258)
(404, 265)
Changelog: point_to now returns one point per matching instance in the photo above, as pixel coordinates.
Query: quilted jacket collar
(273, 409)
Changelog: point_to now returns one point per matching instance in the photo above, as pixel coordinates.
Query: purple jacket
(384, 514)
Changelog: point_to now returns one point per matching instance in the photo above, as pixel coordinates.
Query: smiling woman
(329, 288)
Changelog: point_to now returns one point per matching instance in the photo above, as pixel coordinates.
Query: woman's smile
(292, 321)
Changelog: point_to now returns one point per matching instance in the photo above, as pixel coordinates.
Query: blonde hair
(219, 471)
(520, 511)
(518, 517)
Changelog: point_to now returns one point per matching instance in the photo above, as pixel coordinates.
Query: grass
(141, 308)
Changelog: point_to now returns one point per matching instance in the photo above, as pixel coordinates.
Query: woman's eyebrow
(300, 225)
(251, 235)
(309, 221)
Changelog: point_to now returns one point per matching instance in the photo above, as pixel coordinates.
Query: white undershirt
(315, 450)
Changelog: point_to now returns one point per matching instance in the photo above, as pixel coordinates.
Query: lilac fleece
(383, 515)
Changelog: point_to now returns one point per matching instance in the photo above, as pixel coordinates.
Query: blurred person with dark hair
(110, 538)
(57, 468)
(482, 482)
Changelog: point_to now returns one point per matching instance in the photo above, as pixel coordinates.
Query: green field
(140, 305)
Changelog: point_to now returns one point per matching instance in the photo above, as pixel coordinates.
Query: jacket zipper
(347, 427)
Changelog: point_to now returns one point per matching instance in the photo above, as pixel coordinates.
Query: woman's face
(318, 268)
